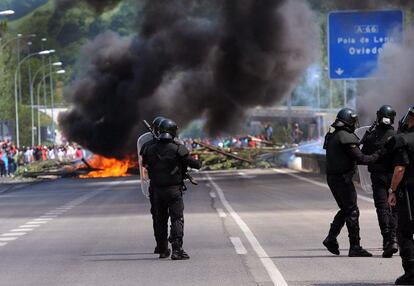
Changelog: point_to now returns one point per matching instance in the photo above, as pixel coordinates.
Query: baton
(410, 213)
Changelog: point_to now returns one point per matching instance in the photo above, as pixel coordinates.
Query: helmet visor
(356, 120)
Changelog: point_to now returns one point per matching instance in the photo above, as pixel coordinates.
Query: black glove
(382, 152)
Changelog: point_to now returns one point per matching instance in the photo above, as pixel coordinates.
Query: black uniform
(405, 231)
(166, 162)
(342, 154)
(381, 176)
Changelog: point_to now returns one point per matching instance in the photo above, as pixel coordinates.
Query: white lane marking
(221, 213)
(238, 245)
(13, 234)
(316, 183)
(31, 225)
(244, 175)
(8, 238)
(21, 229)
(213, 195)
(267, 262)
(36, 222)
(45, 218)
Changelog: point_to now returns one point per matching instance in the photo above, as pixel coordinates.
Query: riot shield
(364, 175)
(145, 182)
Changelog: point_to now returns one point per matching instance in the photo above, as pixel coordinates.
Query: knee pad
(354, 213)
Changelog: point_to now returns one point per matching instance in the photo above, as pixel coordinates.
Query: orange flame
(109, 167)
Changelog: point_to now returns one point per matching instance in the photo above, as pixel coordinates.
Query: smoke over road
(183, 67)
(395, 83)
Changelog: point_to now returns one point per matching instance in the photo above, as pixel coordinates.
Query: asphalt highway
(253, 227)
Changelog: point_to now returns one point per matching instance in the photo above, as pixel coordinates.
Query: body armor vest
(337, 159)
(164, 164)
(374, 142)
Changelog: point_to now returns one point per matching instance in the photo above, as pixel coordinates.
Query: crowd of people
(247, 141)
(12, 157)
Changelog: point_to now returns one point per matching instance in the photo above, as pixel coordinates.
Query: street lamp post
(15, 38)
(52, 96)
(44, 40)
(18, 61)
(5, 14)
(38, 103)
(16, 99)
(55, 64)
(31, 95)
(345, 94)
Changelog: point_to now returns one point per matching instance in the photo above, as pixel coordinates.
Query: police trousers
(405, 229)
(169, 203)
(387, 217)
(343, 190)
(152, 210)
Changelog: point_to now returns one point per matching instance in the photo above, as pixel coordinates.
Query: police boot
(164, 251)
(179, 255)
(352, 223)
(408, 277)
(157, 250)
(391, 246)
(358, 251)
(178, 252)
(331, 243)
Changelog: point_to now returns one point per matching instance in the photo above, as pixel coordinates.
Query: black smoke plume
(186, 68)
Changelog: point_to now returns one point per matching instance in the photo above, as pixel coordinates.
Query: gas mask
(386, 121)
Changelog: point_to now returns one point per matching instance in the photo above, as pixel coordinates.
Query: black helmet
(156, 123)
(167, 129)
(403, 123)
(386, 115)
(346, 118)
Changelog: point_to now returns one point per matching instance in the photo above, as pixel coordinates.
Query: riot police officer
(381, 175)
(342, 155)
(166, 162)
(155, 124)
(402, 194)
